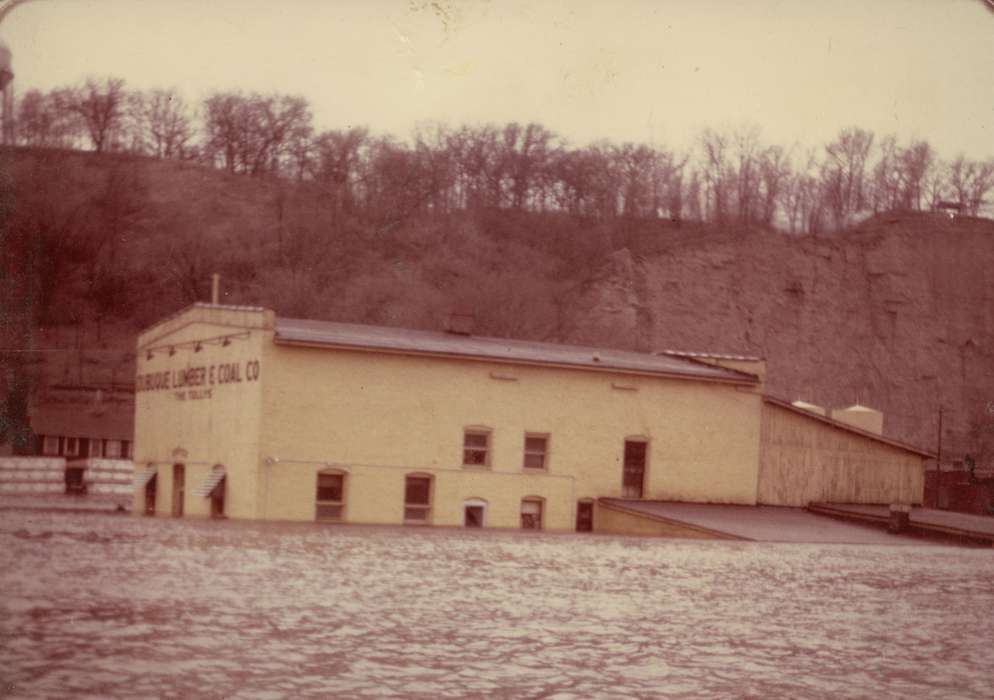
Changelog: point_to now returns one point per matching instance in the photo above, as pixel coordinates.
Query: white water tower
(7, 90)
(7, 80)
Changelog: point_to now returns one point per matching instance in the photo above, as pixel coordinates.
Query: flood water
(108, 606)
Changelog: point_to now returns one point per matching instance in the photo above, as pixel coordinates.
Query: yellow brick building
(243, 414)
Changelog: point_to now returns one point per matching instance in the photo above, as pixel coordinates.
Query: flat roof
(787, 405)
(944, 521)
(761, 523)
(293, 331)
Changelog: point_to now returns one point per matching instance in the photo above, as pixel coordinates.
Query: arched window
(532, 508)
(330, 502)
(417, 498)
(474, 512)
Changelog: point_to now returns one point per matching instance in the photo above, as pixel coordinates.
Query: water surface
(108, 606)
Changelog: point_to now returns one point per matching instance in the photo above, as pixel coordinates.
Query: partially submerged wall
(614, 521)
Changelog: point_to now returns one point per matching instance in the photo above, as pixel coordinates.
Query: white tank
(862, 417)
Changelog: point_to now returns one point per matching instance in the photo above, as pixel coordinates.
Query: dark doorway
(217, 500)
(585, 516)
(633, 478)
(474, 516)
(150, 496)
(74, 481)
(179, 489)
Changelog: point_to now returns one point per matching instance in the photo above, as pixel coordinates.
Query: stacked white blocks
(109, 477)
(32, 476)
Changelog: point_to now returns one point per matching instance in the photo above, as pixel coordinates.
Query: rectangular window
(531, 514)
(96, 448)
(330, 496)
(417, 499)
(71, 447)
(536, 447)
(633, 480)
(476, 448)
(50, 445)
(125, 449)
(112, 449)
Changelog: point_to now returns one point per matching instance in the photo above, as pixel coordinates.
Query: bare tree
(101, 106)
(479, 167)
(224, 119)
(133, 133)
(636, 166)
(774, 174)
(844, 174)
(716, 175)
(803, 203)
(167, 122)
(338, 162)
(575, 172)
(275, 120)
(916, 162)
(525, 154)
(971, 181)
(748, 150)
(300, 152)
(46, 120)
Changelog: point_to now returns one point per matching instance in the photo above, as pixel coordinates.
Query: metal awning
(143, 477)
(213, 481)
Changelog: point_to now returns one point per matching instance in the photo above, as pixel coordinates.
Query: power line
(74, 350)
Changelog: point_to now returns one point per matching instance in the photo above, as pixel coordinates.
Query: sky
(653, 71)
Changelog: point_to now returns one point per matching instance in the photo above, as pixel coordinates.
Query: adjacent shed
(806, 457)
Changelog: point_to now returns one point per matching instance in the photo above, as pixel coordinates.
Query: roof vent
(810, 407)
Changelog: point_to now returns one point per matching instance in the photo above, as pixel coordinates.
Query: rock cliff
(897, 314)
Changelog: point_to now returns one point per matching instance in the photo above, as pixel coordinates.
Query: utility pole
(938, 463)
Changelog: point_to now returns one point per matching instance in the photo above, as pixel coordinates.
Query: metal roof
(407, 341)
(84, 417)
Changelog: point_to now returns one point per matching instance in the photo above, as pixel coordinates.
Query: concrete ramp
(756, 523)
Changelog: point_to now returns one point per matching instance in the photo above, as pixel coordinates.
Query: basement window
(50, 445)
(417, 499)
(476, 448)
(330, 502)
(536, 448)
(531, 513)
(112, 449)
(71, 447)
